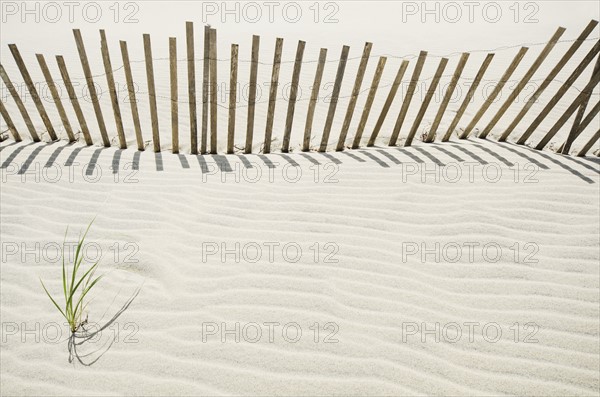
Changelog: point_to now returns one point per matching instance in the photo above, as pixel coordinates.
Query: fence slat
(20, 105)
(495, 92)
(110, 80)
(370, 98)
(62, 67)
(151, 92)
(91, 87)
(232, 97)
(360, 74)
(314, 96)
(565, 148)
(191, 78)
(213, 90)
(583, 151)
(205, 90)
(408, 98)
(521, 85)
(578, 127)
(549, 79)
(273, 94)
(560, 93)
(174, 95)
(447, 96)
(570, 110)
(388, 102)
(463, 107)
(9, 123)
(293, 96)
(334, 98)
(132, 98)
(426, 101)
(55, 96)
(252, 93)
(32, 90)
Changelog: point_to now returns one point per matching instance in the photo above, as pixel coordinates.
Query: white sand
(157, 215)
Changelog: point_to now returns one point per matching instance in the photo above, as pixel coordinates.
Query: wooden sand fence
(208, 131)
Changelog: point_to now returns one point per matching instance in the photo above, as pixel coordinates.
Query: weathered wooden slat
(565, 148)
(337, 86)
(205, 90)
(273, 94)
(577, 127)
(20, 105)
(9, 123)
(314, 96)
(191, 77)
(293, 96)
(360, 74)
(423, 109)
(174, 95)
(388, 102)
(252, 93)
(213, 90)
(569, 112)
(408, 98)
(521, 85)
(369, 103)
(232, 97)
(463, 107)
(151, 92)
(32, 90)
(560, 93)
(549, 79)
(62, 67)
(131, 96)
(583, 151)
(447, 96)
(112, 90)
(56, 97)
(91, 87)
(495, 92)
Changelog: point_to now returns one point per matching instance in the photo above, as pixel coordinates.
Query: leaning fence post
(581, 126)
(205, 89)
(495, 92)
(31, 87)
(174, 95)
(408, 98)
(560, 93)
(191, 69)
(388, 102)
(55, 97)
(314, 96)
(20, 105)
(354, 98)
(369, 103)
(91, 87)
(426, 101)
(334, 98)
(521, 85)
(232, 97)
(468, 97)
(132, 99)
(273, 94)
(213, 91)
(549, 79)
(74, 101)
(252, 93)
(447, 96)
(112, 90)
(151, 92)
(293, 96)
(9, 123)
(583, 151)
